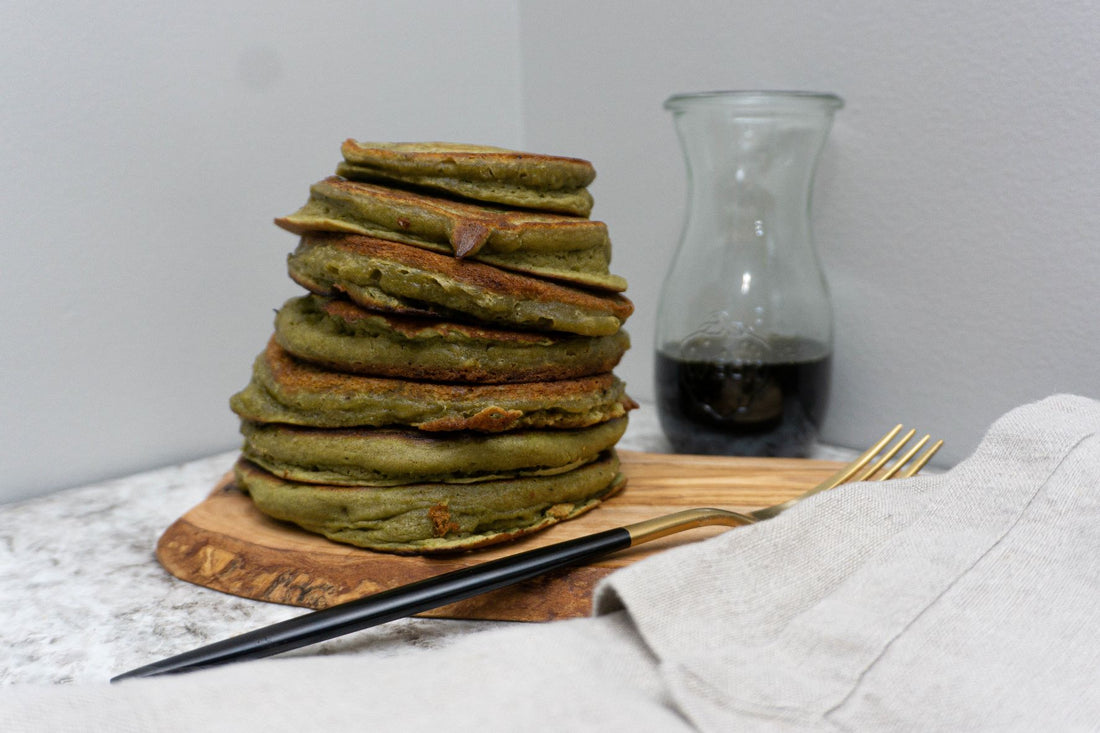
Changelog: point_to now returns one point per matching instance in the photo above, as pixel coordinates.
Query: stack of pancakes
(446, 382)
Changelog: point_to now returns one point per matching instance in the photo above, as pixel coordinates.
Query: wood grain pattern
(224, 543)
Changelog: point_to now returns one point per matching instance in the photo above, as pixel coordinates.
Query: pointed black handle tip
(132, 674)
(149, 670)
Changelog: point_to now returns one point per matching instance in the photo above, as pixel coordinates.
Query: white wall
(144, 151)
(955, 206)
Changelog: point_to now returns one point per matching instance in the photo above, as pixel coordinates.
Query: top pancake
(564, 248)
(477, 172)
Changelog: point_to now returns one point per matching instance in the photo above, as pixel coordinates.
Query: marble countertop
(83, 597)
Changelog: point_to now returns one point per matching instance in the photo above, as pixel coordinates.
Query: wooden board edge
(191, 554)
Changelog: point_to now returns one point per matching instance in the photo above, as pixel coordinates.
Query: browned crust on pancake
(294, 374)
(475, 274)
(347, 311)
(558, 513)
(440, 517)
(325, 331)
(582, 172)
(395, 307)
(472, 223)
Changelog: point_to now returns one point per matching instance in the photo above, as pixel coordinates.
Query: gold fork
(440, 590)
(869, 466)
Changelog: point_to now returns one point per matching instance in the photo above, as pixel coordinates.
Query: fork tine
(920, 462)
(905, 458)
(845, 474)
(877, 466)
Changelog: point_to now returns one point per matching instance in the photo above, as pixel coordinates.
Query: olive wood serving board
(224, 543)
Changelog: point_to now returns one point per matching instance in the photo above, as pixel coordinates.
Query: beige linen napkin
(968, 600)
(963, 601)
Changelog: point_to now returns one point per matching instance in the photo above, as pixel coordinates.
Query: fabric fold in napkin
(968, 600)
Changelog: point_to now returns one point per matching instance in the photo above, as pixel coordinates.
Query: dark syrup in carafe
(743, 408)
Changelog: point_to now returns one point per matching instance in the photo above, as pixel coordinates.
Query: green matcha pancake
(389, 456)
(432, 517)
(478, 172)
(564, 248)
(338, 334)
(382, 275)
(287, 390)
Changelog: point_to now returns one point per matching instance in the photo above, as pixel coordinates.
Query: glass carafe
(744, 327)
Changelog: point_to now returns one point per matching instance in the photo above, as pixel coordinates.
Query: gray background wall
(955, 206)
(144, 152)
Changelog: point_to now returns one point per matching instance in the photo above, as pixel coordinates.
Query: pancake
(432, 517)
(287, 390)
(564, 248)
(390, 457)
(388, 276)
(338, 334)
(478, 172)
